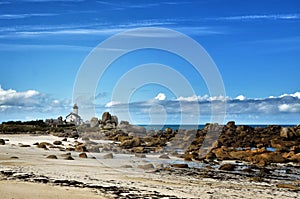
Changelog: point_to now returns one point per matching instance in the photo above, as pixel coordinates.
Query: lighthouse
(75, 109)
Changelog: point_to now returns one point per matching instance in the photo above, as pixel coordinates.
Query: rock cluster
(247, 143)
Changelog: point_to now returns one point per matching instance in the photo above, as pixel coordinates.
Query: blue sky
(255, 45)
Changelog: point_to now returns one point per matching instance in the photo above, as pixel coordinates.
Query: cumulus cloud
(22, 104)
(160, 96)
(297, 95)
(241, 97)
(11, 97)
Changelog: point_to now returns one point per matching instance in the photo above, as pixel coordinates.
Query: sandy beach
(18, 190)
(123, 176)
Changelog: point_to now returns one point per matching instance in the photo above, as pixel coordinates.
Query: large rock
(105, 117)
(94, 122)
(227, 167)
(108, 156)
(114, 120)
(128, 128)
(134, 142)
(146, 166)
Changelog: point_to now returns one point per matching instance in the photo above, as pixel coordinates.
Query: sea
(195, 126)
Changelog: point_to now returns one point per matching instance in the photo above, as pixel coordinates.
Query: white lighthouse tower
(73, 117)
(75, 109)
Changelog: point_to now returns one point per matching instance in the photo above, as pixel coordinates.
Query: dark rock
(44, 145)
(105, 117)
(57, 142)
(128, 128)
(126, 166)
(138, 155)
(131, 143)
(114, 120)
(164, 156)
(68, 158)
(295, 149)
(24, 145)
(41, 179)
(66, 154)
(83, 155)
(108, 156)
(146, 166)
(188, 157)
(70, 149)
(180, 166)
(227, 167)
(14, 157)
(168, 130)
(139, 149)
(52, 156)
(65, 140)
(81, 148)
(2, 142)
(231, 125)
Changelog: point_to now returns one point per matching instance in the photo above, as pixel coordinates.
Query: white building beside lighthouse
(73, 117)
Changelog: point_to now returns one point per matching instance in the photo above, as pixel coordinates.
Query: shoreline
(126, 175)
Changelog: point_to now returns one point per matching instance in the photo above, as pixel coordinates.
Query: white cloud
(30, 102)
(11, 97)
(160, 96)
(260, 17)
(193, 98)
(296, 94)
(21, 16)
(241, 97)
(112, 103)
(289, 108)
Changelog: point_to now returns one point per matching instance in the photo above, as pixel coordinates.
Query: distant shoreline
(201, 126)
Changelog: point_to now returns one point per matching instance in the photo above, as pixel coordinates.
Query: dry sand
(22, 190)
(114, 178)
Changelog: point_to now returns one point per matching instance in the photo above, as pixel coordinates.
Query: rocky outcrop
(236, 142)
(129, 128)
(109, 121)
